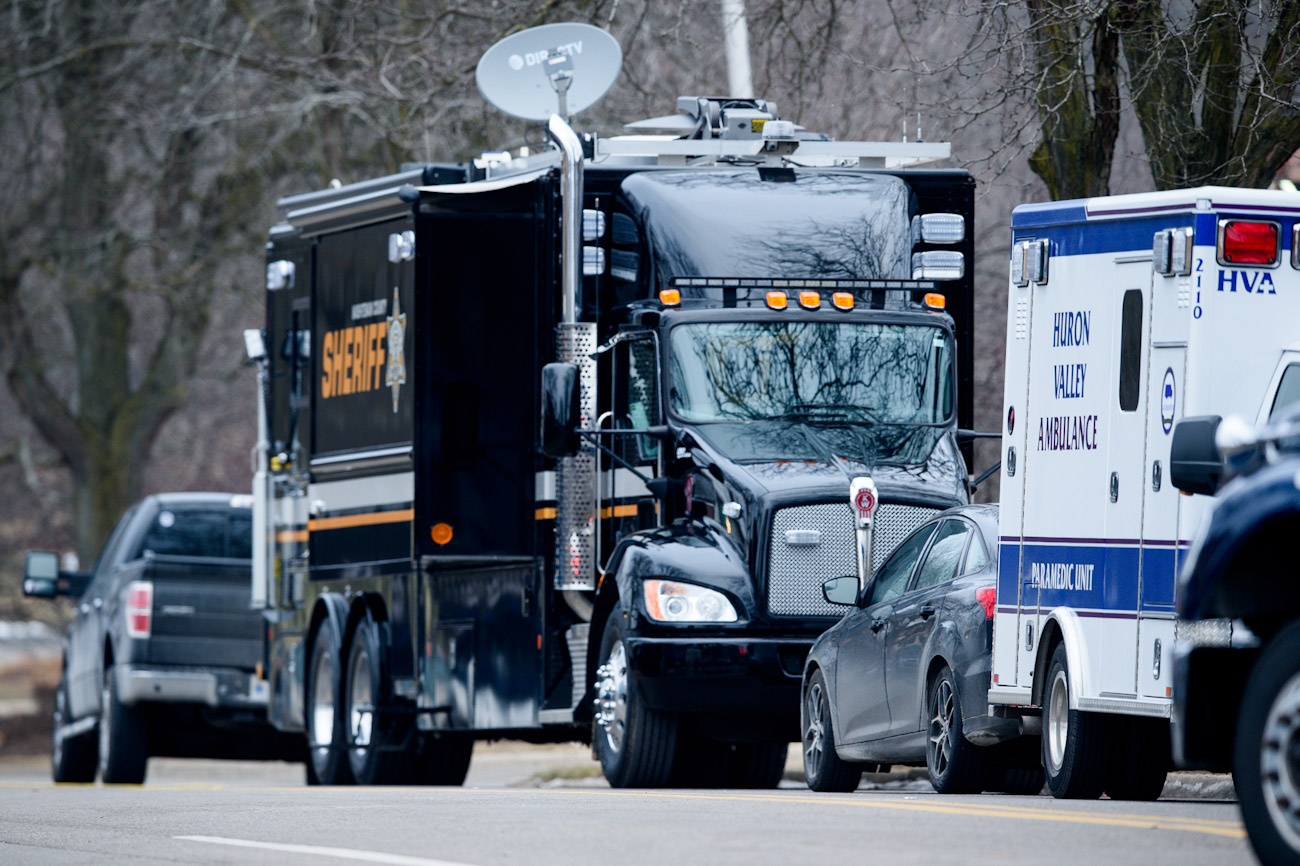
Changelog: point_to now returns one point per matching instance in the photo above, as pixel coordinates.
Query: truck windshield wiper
(828, 410)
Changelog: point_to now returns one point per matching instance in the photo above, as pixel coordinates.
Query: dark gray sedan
(904, 677)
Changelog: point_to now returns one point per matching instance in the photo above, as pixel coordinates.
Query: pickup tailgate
(201, 613)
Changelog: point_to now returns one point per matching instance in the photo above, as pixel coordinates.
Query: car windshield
(854, 372)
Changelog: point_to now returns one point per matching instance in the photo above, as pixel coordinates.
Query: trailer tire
(1141, 758)
(123, 750)
(1265, 764)
(73, 759)
(442, 759)
(327, 756)
(637, 744)
(954, 764)
(1074, 742)
(823, 769)
(372, 738)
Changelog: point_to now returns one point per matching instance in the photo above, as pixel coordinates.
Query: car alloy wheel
(815, 736)
(941, 726)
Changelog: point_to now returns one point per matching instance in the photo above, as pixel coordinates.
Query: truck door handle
(927, 611)
(877, 625)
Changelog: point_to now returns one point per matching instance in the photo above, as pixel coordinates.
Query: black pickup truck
(162, 654)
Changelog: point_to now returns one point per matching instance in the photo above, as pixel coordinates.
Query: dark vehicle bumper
(1208, 684)
(720, 674)
(213, 687)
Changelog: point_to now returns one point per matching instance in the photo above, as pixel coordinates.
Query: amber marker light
(935, 301)
(810, 300)
(670, 297)
(777, 300)
(441, 533)
(842, 300)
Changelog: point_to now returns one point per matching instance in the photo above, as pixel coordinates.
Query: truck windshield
(811, 371)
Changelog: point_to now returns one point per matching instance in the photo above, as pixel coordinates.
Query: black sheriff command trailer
(559, 447)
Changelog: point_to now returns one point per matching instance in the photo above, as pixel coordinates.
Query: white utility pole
(735, 32)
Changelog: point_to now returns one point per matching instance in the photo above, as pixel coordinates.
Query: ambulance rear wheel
(327, 757)
(1074, 742)
(373, 740)
(1266, 751)
(635, 744)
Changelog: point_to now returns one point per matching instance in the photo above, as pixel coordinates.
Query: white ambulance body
(1125, 314)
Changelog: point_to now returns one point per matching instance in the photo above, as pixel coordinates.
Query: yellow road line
(1048, 812)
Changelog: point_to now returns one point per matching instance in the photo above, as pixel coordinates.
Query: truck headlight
(672, 601)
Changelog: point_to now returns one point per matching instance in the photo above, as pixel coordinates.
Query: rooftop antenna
(735, 34)
(559, 69)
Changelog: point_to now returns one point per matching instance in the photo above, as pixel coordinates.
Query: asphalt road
(523, 806)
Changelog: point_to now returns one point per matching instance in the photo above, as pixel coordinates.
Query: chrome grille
(796, 572)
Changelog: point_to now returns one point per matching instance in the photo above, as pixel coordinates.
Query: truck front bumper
(718, 674)
(214, 687)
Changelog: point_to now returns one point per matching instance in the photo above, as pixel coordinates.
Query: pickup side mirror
(41, 574)
(841, 590)
(1195, 465)
(561, 409)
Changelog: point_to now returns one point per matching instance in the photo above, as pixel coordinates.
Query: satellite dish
(553, 69)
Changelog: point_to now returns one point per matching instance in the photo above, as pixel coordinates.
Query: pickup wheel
(634, 743)
(1074, 742)
(823, 770)
(954, 764)
(372, 739)
(73, 759)
(123, 752)
(327, 758)
(1266, 752)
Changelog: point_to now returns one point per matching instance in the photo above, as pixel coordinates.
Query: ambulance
(1125, 314)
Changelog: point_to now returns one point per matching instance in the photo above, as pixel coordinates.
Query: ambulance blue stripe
(1072, 233)
(1101, 578)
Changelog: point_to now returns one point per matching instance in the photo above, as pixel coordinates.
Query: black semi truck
(559, 447)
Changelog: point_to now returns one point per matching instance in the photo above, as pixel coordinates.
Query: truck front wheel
(73, 759)
(1074, 748)
(123, 752)
(635, 744)
(1266, 753)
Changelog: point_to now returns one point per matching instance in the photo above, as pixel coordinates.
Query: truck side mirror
(1195, 465)
(561, 409)
(841, 590)
(41, 574)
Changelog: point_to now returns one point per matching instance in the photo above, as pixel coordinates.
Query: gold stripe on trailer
(291, 535)
(374, 518)
(615, 511)
(545, 514)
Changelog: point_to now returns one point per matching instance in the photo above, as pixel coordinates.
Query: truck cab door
(625, 504)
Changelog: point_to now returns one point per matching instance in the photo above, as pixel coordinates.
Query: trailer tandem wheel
(374, 739)
(327, 760)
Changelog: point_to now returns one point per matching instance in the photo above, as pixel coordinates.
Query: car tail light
(139, 608)
(987, 596)
(1244, 242)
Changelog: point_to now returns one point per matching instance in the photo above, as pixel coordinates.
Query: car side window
(1288, 392)
(891, 580)
(977, 558)
(941, 562)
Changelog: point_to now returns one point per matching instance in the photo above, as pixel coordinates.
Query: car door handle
(877, 624)
(98, 603)
(927, 611)
(84, 608)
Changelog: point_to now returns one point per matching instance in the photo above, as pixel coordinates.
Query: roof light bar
(842, 300)
(777, 300)
(810, 300)
(1249, 242)
(935, 301)
(670, 297)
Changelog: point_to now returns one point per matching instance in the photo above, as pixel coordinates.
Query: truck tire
(327, 757)
(1074, 742)
(123, 751)
(1265, 759)
(372, 738)
(954, 764)
(823, 769)
(703, 762)
(73, 759)
(634, 743)
(756, 765)
(1141, 758)
(442, 759)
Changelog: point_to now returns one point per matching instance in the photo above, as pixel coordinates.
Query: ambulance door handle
(1114, 487)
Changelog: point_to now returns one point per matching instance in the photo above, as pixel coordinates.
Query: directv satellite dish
(553, 69)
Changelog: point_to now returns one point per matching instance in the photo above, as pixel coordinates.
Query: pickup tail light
(1247, 242)
(987, 596)
(139, 609)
